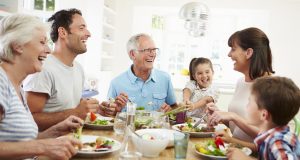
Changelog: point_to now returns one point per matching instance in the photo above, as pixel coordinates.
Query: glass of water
(181, 141)
(120, 123)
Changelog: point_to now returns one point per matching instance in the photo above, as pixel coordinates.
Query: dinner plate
(200, 134)
(109, 126)
(90, 138)
(246, 150)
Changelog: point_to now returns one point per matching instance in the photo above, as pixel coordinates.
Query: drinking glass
(160, 120)
(92, 84)
(180, 117)
(120, 123)
(181, 141)
(166, 122)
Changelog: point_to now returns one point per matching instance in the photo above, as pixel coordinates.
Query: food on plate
(143, 123)
(217, 147)
(189, 128)
(95, 119)
(219, 142)
(212, 147)
(93, 116)
(98, 145)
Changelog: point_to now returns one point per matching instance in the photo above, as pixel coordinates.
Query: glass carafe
(128, 149)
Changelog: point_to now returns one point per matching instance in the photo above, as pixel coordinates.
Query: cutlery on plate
(199, 121)
(95, 150)
(101, 149)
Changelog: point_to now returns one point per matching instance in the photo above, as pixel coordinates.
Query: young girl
(198, 91)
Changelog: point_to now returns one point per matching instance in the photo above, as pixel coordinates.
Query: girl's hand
(189, 105)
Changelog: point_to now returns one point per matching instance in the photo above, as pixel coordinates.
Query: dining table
(168, 153)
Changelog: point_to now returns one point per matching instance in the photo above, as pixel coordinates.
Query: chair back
(297, 126)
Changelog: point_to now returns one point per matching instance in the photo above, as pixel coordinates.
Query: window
(178, 48)
(42, 9)
(44, 5)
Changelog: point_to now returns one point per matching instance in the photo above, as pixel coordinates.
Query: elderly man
(141, 83)
(55, 92)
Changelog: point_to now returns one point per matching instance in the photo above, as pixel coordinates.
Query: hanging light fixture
(195, 15)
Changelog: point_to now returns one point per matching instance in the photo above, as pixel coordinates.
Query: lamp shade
(195, 15)
(194, 11)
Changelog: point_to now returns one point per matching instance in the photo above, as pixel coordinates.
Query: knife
(199, 121)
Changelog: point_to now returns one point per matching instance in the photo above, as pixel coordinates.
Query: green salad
(100, 122)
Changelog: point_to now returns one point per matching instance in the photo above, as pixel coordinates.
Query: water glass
(93, 83)
(130, 108)
(166, 122)
(181, 141)
(120, 123)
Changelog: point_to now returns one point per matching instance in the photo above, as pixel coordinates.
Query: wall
(92, 13)
(283, 28)
(283, 31)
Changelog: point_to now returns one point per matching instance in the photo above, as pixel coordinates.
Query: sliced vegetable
(219, 142)
(93, 116)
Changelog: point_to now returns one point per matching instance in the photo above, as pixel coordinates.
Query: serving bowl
(151, 142)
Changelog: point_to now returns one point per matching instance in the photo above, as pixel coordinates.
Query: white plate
(109, 126)
(90, 138)
(168, 132)
(200, 134)
(246, 150)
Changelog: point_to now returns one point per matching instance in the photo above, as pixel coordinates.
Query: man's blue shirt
(150, 94)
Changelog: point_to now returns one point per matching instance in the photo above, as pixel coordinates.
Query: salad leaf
(140, 108)
(100, 122)
(77, 133)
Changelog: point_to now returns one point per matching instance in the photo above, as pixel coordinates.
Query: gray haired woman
(23, 47)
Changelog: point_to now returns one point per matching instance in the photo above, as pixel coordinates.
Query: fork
(199, 121)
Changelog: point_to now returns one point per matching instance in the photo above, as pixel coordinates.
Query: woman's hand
(68, 125)
(216, 116)
(62, 148)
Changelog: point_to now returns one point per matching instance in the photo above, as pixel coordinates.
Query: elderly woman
(23, 47)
